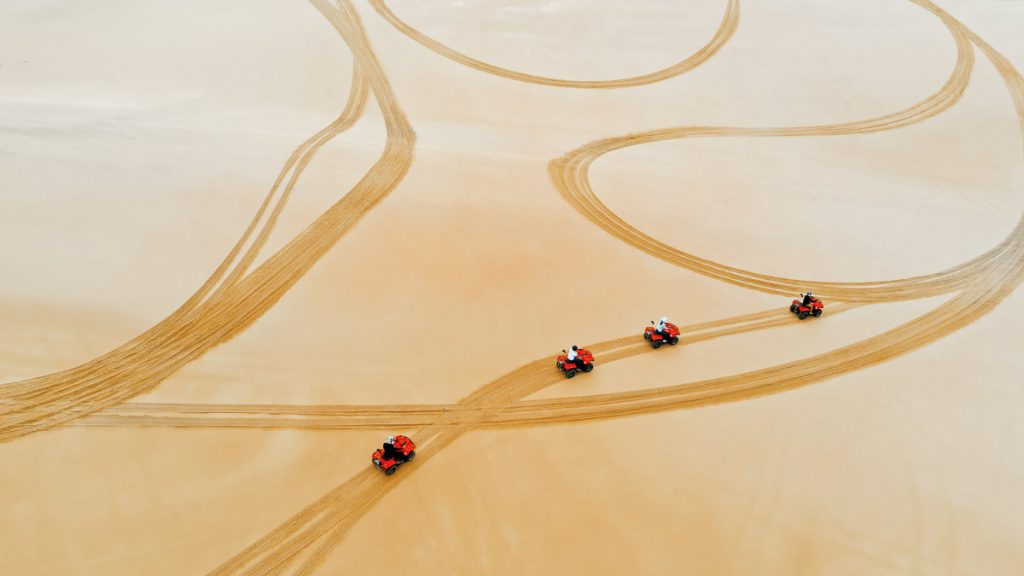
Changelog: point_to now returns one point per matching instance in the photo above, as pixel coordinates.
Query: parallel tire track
(205, 321)
(730, 21)
(309, 537)
(338, 417)
(233, 297)
(570, 175)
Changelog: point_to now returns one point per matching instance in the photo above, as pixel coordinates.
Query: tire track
(570, 175)
(327, 519)
(982, 282)
(204, 322)
(299, 156)
(337, 417)
(730, 21)
(229, 301)
(988, 280)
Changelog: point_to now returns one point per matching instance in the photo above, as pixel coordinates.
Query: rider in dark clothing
(392, 453)
(808, 298)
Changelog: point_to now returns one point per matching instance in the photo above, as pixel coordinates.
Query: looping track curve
(725, 30)
(570, 175)
(229, 302)
(983, 284)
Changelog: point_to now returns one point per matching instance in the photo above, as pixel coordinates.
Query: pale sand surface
(137, 140)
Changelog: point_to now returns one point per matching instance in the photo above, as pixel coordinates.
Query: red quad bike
(584, 362)
(656, 340)
(393, 455)
(814, 308)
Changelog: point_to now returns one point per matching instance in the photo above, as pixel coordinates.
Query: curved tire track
(337, 417)
(570, 175)
(983, 282)
(204, 322)
(730, 21)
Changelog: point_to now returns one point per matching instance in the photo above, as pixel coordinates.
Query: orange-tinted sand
(513, 177)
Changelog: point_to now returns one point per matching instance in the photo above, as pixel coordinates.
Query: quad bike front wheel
(588, 367)
(816, 312)
(647, 336)
(673, 340)
(410, 456)
(655, 344)
(802, 315)
(570, 373)
(391, 470)
(792, 307)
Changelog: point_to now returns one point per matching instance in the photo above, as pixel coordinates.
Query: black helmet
(573, 346)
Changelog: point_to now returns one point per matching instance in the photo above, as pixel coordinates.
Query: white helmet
(391, 439)
(664, 319)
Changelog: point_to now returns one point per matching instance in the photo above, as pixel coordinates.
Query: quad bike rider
(397, 450)
(663, 331)
(575, 360)
(808, 306)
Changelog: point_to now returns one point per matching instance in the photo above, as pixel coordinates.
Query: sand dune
(243, 288)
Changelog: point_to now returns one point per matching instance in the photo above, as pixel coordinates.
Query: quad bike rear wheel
(570, 373)
(801, 315)
(655, 344)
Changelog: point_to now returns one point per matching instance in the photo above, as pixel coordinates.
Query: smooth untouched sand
(137, 141)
